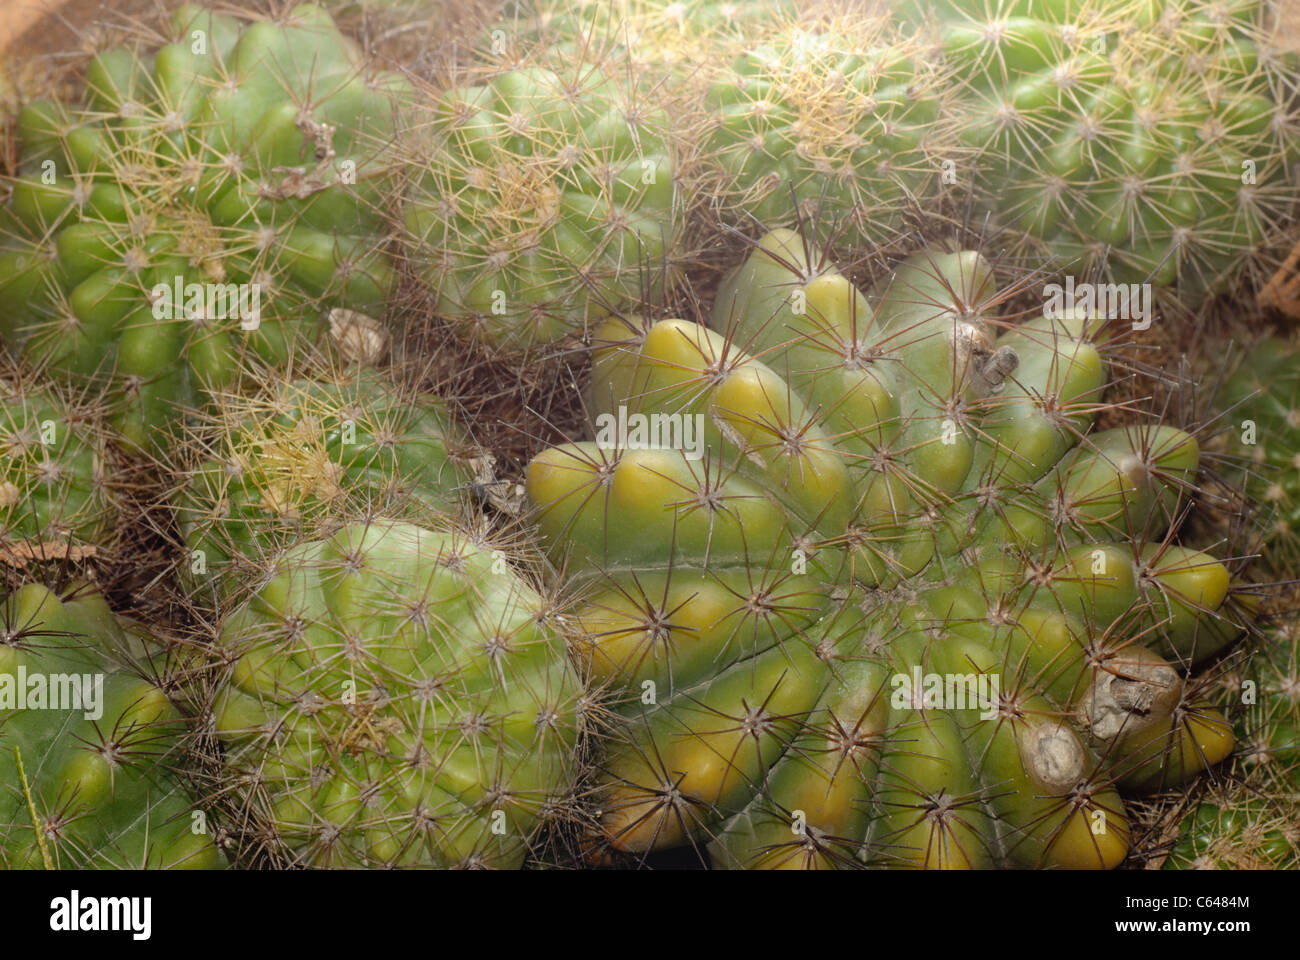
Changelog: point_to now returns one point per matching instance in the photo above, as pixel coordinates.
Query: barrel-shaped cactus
(543, 195)
(207, 200)
(396, 696)
(89, 742)
(869, 585)
(57, 498)
(266, 467)
(1152, 139)
(839, 120)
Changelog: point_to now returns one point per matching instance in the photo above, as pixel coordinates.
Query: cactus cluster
(206, 201)
(888, 488)
(89, 742)
(1249, 818)
(863, 569)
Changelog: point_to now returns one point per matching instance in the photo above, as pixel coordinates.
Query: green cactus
(832, 121)
(544, 195)
(1235, 828)
(206, 201)
(267, 467)
(882, 487)
(55, 491)
(88, 768)
(655, 33)
(396, 696)
(1261, 404)
(1149, 139)
(1269, 710)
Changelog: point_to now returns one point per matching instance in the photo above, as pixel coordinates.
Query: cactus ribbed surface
(543, 195)
(81, 706)
(404, 700)
(1261, 400)
(268, 466)
(207, 200)
(889, 489)
(1152, 138)
(54, 475)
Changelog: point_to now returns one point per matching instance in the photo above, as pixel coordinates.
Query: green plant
(89, 740)
(1261, 404)
(208, 200)
(836, 120)
(878, 490)
(266, 467)
(55, 491)
(544, 194)
(1152, 140)
(394, 695)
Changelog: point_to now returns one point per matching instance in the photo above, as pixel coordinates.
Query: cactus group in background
(267, 467)
(543, 195)
(56, 492)
(208, 200)
(396, 696)
(84, 709)
(1149, 139)
(878, 576)
(883, 490)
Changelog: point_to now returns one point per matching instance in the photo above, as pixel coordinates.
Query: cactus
(885, 490)
(87, 767)
(1261, 404)
(394, 695)
(203, 203)
(1151, 140)
(834, 121)
(266, 467)
(544, 195)
(1269, 710)
(655, 33)
(56, 494)
(1235, 829)
(1250, 819)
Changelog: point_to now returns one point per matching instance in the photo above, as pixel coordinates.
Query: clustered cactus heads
(266, 467)
(397, 696)
(88, 742)
(208, 200)
(885, 489)
(56, 494)
(1152, 140)
(544, 194)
